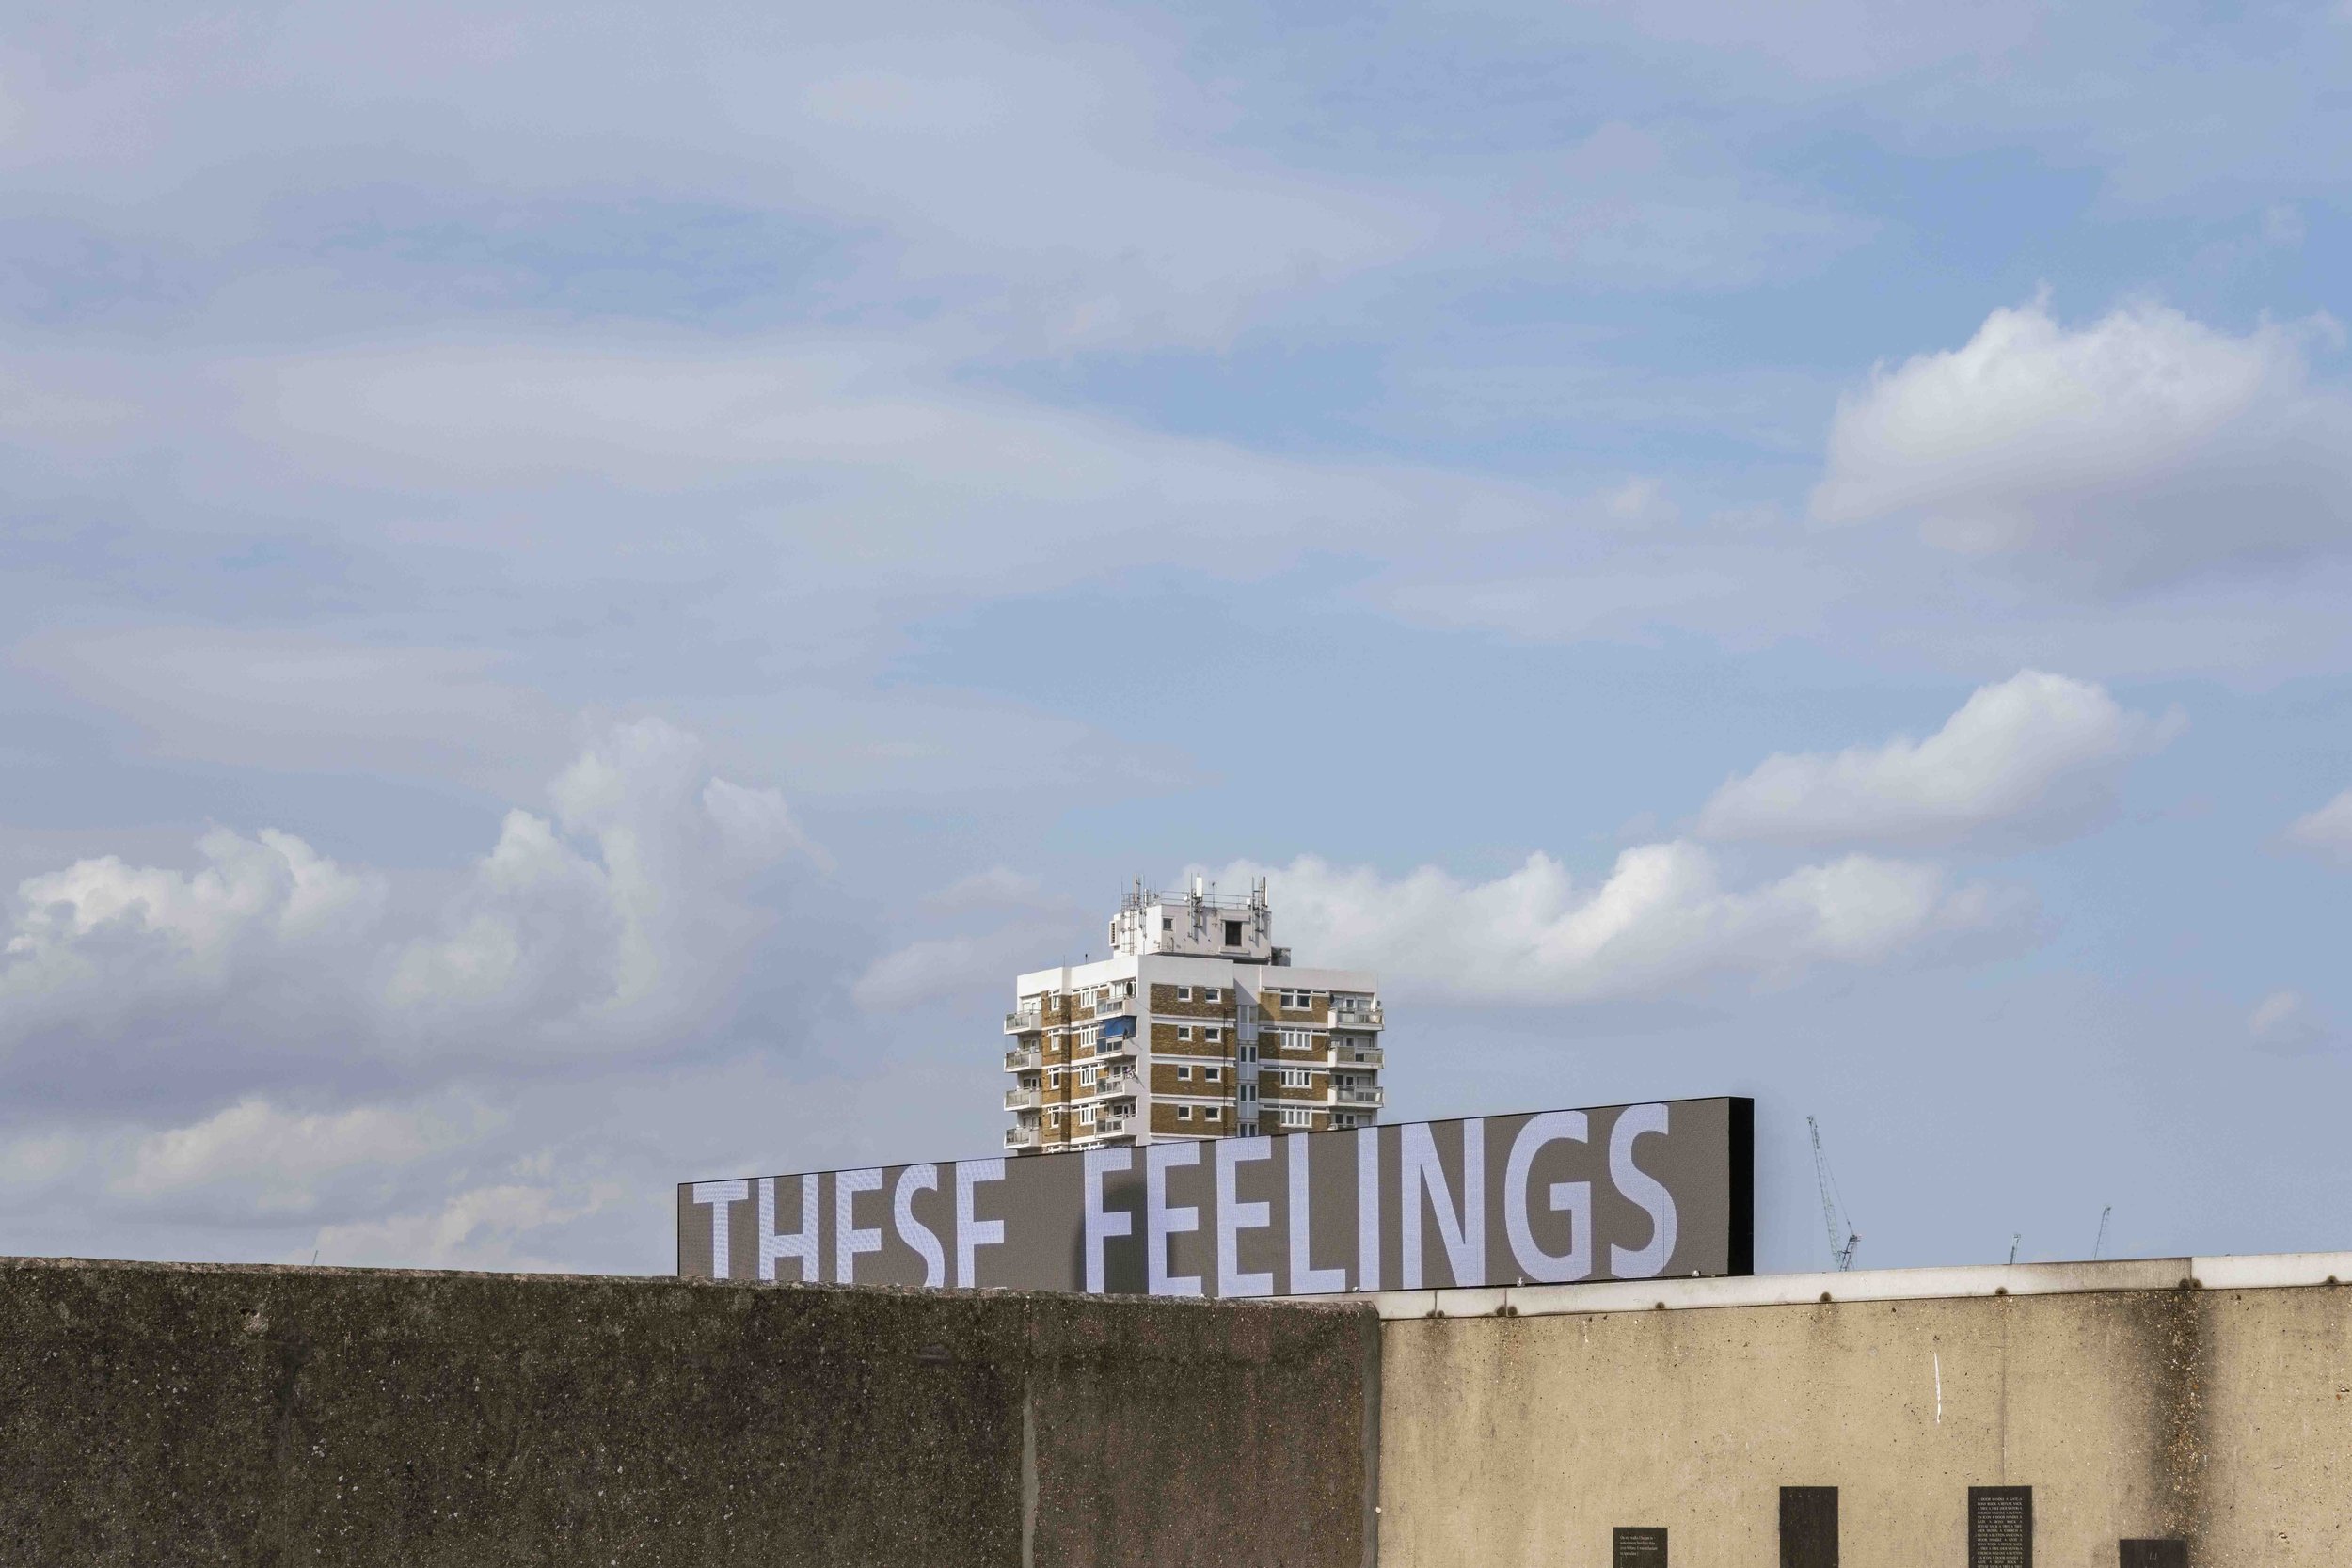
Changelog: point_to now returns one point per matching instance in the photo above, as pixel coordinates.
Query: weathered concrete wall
(2222, 1416)
(182, 1415)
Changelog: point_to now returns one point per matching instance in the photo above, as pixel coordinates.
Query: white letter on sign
(848, 1240)
(1235, 1216)
(719, 1194)
(919, 1179)
(1573, 1199)
(1305, 1280)
(973, 1233)
(1644, 1189)
(801, 1243)
(1464, 1240)
(1101, 1224)
(1161, 1222)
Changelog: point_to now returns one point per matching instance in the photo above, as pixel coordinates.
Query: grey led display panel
(1616, 1192)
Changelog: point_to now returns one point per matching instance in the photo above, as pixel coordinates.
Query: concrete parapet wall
(193, 1414)
(2137, 1400)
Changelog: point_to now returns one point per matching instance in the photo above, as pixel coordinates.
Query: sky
(581, 586)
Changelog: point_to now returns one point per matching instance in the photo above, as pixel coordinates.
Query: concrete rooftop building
(1195, 1026)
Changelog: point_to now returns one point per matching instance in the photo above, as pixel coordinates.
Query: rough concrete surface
(2222, 1418)
(192, 1415)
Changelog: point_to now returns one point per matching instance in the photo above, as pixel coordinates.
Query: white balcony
(1109, 1127)
(1023, 1058)
(1023, 1137)
(1110, 1086)
(1024, 1022)
(1023, 1100)
(1359, 1055)
(1117, 1006)
(1355, 1018)
(1360, 1096)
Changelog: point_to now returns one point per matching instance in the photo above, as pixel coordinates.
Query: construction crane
(1833, 1217)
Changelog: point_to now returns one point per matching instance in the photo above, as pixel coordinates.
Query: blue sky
(581, 586)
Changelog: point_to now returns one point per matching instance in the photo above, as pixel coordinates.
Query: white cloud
(2327, 832)
(483, 1228)
(2286, 1023)
(2139, 447)
(619, 922)
(303, 701)
(937, 967)
(1663, 921)
(281, 1151)
(2034, 756)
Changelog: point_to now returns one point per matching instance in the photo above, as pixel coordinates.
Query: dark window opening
(1808, 1527)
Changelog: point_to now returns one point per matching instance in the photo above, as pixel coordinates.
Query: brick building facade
(1196, 1026)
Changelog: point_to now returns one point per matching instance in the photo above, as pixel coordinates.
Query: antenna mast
(1833, 1217)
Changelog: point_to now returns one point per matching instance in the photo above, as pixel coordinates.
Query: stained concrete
(193, 1414)
(2219, 1416)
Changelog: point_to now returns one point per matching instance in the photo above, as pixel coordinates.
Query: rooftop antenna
(1834, 1216)
(2014, 1237)
(2100, 1245)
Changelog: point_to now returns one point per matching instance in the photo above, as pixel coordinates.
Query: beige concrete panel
(2273, 1430)
(2221, 1416)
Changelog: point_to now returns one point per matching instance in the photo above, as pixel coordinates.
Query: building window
(1298, 1078)
(1209, 1113)
(1214, 1074)
(1184, 993)
(1233, 933)
(1248, 1053)
(1167, 923)
(1216, 1033)
(1087, 1075)
(1184, 1031)
(1183, 1074)
(1184, 1113)
(1249, 1094)
(1086, 1115)
(1053, 1079)
(1212, 995)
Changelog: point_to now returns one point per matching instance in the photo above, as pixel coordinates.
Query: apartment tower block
(1195, 1026)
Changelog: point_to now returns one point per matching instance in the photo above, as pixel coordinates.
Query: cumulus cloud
(2034, 756)
(282, 1152)
(615, 923)
(483, 1228)
(2286, 1023)
(1024, 928)
(1664, 921)
(2139, 447)
(2327, 832)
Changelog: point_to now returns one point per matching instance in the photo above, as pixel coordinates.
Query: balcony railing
(1022, 1099)
(1107, 1127)
(1360, 1096)
(1355, 1018)
(1024, 1022)
(1023, 1137)
(1361, 1056)
(1112, 1085)
(1023, 1058)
